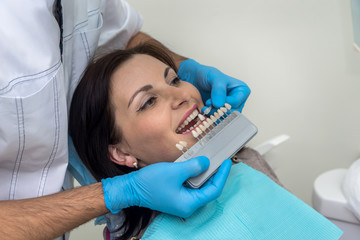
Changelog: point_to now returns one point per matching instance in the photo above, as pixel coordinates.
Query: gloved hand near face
(160, 187)
(215, 87)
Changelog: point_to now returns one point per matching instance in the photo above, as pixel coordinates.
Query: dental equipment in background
(220, 136)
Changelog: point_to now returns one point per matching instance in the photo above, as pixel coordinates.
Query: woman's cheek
(152, 127)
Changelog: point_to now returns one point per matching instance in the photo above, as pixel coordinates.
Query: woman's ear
(120, 158)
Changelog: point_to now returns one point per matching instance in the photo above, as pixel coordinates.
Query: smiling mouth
(191, 122)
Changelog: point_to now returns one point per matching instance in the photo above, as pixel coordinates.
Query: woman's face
(151, 104)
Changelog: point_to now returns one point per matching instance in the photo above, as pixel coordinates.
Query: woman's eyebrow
(166, 72)
(142, 89)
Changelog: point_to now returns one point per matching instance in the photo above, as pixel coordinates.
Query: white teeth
(193, 114)
(202, 123)
(191, 117)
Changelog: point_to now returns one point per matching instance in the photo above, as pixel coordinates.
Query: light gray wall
(298, 59)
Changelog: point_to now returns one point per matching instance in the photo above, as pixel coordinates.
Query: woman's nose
(179, 97)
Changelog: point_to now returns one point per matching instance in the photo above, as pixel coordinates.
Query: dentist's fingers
(213, 187)
(237, 97)
(218, 93)
(192, 167)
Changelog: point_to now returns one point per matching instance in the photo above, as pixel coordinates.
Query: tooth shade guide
(221, 113)
(206, 124)
(222, 141)
(211, 123)
(213, 119)
(224, 110)
(183, 143)
(195, 134)
(207, 111)
(217, 116)
(198, 130)
(200, 127)
(227, 106)
(180, 147)
(201, 117)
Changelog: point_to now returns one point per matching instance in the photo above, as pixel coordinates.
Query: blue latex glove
(160, 187)
(215, 87)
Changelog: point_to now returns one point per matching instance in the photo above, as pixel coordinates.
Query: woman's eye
(176, 81)
(151, 101)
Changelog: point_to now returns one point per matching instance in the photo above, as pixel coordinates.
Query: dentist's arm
(50, 216)
(159, 187)
(215, 87)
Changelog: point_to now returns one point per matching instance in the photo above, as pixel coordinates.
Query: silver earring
(135, 164)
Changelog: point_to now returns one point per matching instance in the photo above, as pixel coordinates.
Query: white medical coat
(36, 86)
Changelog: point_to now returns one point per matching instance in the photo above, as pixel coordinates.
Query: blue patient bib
(251, 206)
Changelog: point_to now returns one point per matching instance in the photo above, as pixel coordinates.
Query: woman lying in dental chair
(126, 114)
